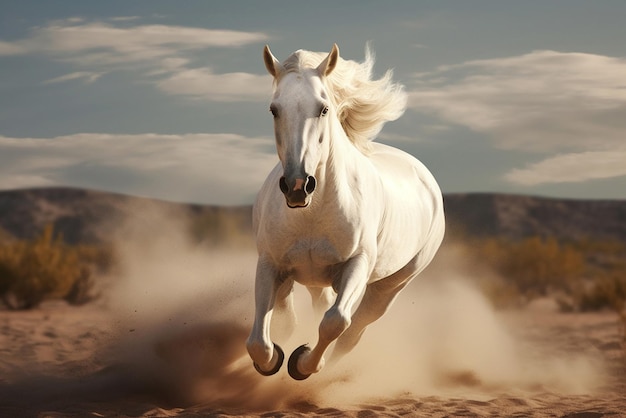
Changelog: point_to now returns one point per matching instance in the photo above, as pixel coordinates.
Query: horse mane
(363, 104)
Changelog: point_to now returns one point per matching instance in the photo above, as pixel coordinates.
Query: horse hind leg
(284, 320)
(322, 298)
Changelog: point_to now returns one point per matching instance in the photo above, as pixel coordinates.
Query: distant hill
(86, 216)
(514, 216)
(82, 216)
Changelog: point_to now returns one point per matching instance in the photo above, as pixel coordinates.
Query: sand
(62, 361)
(167, 338)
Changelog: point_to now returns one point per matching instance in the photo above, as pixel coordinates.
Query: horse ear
(271, 63)
(328, 65)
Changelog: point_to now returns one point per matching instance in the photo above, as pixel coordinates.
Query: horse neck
(336, 173)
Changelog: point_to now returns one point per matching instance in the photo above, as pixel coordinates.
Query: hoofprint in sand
(93, 360)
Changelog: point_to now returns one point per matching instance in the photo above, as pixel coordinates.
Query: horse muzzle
(297, 191)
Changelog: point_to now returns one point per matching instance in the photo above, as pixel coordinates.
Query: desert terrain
(165, 337)
(62, 361)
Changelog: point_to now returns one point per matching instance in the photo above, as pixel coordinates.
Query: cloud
(206, 168)
(571, 168)
(125, 18)
(10, 48)
(160, 52)
(103, 43)
(88, 76)
(544, 102)
(202, 83)
(169, 65)
(19, 181)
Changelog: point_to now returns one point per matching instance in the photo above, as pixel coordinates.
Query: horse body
(374, 223)
(310, 244)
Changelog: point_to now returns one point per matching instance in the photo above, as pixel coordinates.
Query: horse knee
(259, 351)
(334, 324)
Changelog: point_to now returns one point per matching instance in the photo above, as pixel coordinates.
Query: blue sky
(169, 99)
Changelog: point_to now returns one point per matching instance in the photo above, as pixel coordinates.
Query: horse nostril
(310, 184)
(282, 183)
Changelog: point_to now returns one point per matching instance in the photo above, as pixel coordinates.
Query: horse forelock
(363, 105)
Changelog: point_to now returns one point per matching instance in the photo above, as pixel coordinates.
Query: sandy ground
(167, 338)
(62, 361)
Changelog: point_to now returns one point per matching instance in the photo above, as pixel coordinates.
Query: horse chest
(313, 261)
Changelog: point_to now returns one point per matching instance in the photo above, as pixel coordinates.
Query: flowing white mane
(363, 105)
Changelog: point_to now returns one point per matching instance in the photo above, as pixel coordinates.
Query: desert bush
(501, 293)
(99, 257)
(534, 265)
(46, 267)
(81, 291)
(222, 229)
(605, 286)
(604, 292)
(4, 235)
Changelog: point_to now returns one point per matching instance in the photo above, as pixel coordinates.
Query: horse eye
(273, 111)
(324, 111)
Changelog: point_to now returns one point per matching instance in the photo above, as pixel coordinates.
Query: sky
(169, 99)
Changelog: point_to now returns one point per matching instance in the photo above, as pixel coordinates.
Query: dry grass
(46, 267)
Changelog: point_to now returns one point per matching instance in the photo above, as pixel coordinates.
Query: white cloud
(543, 102)
(202, 83)
(125, 18)
(169, 65)
(19, 181)
(160, 52)
(572, 168)
(124, 44)
(75, 19)
(89, 77)
(11, 48)
(211, 168)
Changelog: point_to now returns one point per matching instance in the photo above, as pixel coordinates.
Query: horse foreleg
(304, 361)
(374, 305)
(267, 357)
(376, 301)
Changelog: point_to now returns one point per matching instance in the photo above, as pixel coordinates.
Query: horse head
(301, 107)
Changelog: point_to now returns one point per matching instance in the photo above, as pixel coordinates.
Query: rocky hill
(514, 216)
(88, 216)
(84, 216)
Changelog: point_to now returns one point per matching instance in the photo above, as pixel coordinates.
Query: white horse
(346, 217)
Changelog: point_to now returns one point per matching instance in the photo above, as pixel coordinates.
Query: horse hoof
(292, 365)
(279, 363)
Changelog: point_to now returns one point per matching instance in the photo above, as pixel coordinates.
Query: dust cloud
(183, 311)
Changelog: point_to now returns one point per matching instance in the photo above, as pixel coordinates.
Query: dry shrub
(501, 293)
(605, 292)
(585, 275)
(223, 229)
(46, 267)
(535, 265)
(606, 288)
